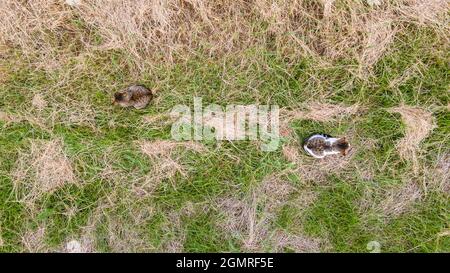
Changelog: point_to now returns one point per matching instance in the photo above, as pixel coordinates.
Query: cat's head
(343, 146)
(121, 97)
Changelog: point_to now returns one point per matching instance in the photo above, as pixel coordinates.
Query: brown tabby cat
(137, 96)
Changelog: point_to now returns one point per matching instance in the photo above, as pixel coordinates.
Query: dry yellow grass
(5, 117)
(174, 244)
(166, 148)
(165, 31)
(125, 232)
(43, 169)
(271, 195)
(166, 156)
(419, 123)
(3, 73)
(244, 222)
(406, 75)
(399, 200)
(243, 219)
(73, 112)
(316, 111)
(235, 213)
(38, 102)
(431, 12)
(439, 175)
(2, 243)
(59, 108)
(165, 168)
(126, 237)
(274, 192)
(380, 33)
(87, 241)
(257, 228)
(157, 121)
(324, 112)
(29, 24)
(33, 240)
(298, 243)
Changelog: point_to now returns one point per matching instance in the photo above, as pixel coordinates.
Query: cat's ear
(344, 152)
(345, 146)
(341, 141)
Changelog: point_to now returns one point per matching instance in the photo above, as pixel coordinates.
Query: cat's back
(316, 142)
(316, 145)
(140, 95)
(138, 91)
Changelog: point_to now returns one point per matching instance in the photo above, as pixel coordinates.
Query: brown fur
(318, 145)
(342, 146)
(137, 96)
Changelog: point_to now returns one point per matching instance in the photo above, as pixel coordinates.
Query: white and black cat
(321, 145)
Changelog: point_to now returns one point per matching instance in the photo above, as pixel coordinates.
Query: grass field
(75, 167)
